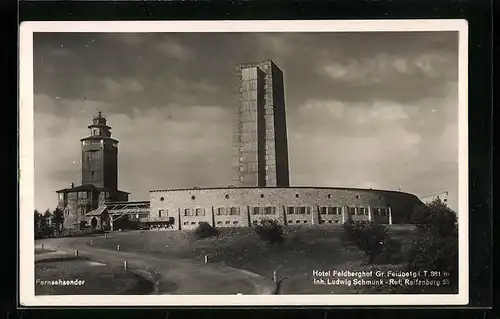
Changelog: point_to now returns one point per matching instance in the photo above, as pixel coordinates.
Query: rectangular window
(219, 223)
(200, 212)
(235, 210)
(61, 196)
(185, 223)
(188, 212)
(270, 210)
(221, 211)
(351, 210)
(290, 210)
(331, 211)
(256, 211)
(302, 210)
(227, 222)
(193, 223)
(162, 212)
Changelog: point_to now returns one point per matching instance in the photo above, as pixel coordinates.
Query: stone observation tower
(100, 156)
(260, 134)
(99, 179)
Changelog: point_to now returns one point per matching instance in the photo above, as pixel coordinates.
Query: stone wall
(239, 207)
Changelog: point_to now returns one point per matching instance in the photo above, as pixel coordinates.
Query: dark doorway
(93, 222)
(171, 222)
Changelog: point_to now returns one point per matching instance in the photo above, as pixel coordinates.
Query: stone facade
(99, 177)
(260, 134)
(78, 201)
(241, 207)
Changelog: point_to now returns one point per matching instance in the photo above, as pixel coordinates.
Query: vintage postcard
(250, 163)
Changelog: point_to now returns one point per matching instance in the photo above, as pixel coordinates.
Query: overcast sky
(367, 110)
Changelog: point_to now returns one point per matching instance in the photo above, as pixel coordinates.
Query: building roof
(81, 188)
(98, 211)
(137, 202)
(88, 188)
(276, 187)
(98, 137)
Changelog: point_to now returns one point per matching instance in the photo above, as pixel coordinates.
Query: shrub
(269, 230)
(373, 240)
(431, 252)
(436, 217)
(436, 246)
(205, 230)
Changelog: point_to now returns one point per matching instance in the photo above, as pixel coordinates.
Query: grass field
(99, 279)
(305, 249)
(42, 251)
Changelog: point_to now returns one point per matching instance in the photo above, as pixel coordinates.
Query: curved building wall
(240, 207)
(233, 207)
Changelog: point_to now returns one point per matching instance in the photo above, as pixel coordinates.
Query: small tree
(205, 230)
(270, 231)
(46, 224)
(37, 224)
(373, 240)
(58, 221)
(436, 246)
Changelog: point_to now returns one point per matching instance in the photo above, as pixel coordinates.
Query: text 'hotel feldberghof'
(378, 273)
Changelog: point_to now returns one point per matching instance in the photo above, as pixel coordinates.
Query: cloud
(335, 143)
(364, 109)
(164, 44)
(165, 147)
(174, 50)
(388, 67)
(121, 86)
(348, 118)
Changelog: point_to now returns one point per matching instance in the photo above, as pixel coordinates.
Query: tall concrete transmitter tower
(260, 135)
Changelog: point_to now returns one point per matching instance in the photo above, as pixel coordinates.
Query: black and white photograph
(243, 163)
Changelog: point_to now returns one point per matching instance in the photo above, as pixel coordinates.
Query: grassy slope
(304, 250)
(98, 279)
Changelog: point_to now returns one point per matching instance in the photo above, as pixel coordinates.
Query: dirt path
(172, 276)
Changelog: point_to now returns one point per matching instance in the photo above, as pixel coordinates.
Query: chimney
(72, 185)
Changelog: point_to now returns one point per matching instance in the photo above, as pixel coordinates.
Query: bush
(205, 230)
(373, 240)
(436, 217)
(269, 230)
(436, 246)
(431, 252)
